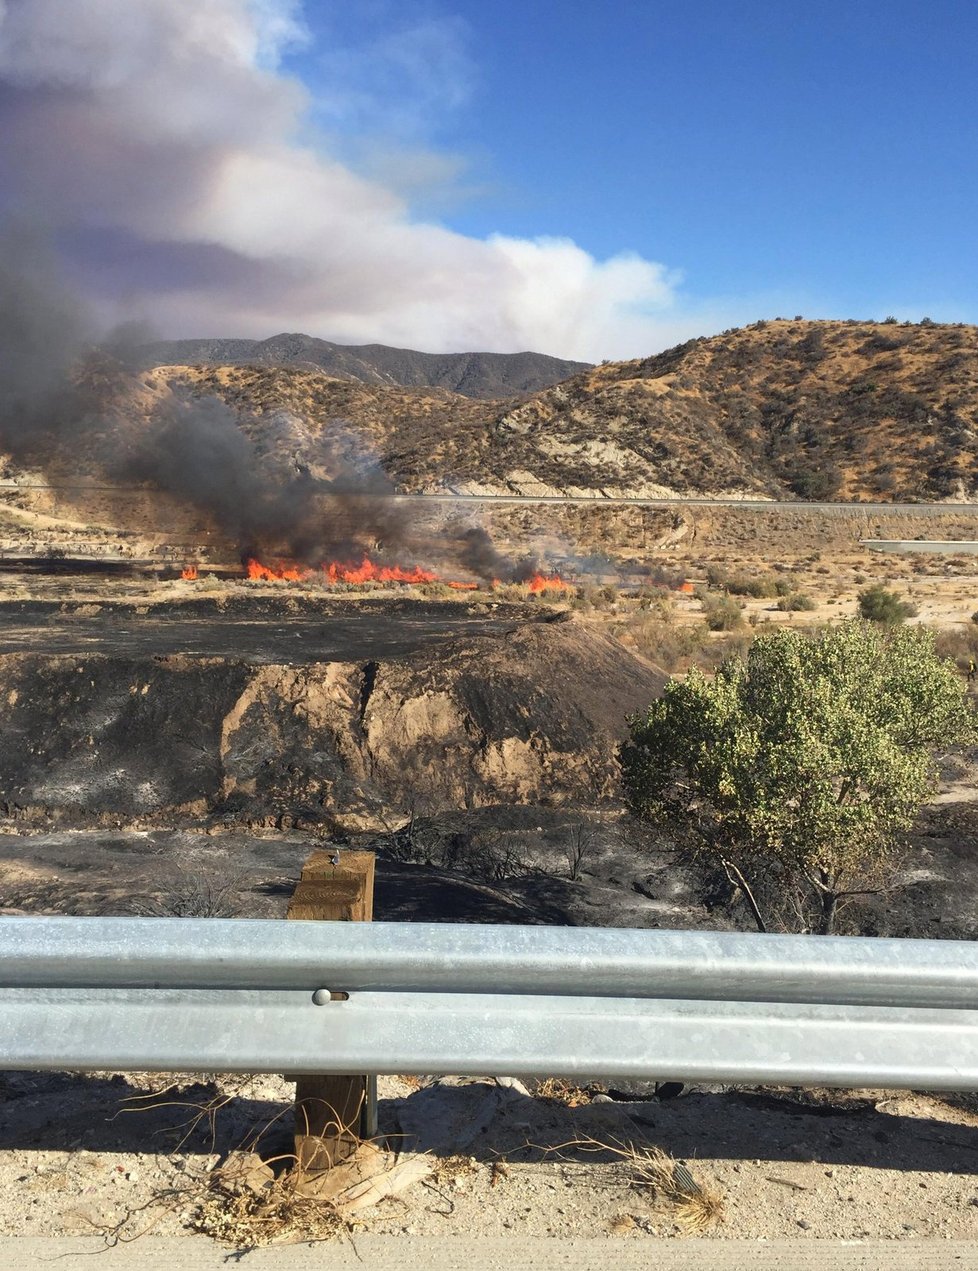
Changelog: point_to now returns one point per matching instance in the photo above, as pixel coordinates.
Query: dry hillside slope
(782, 409)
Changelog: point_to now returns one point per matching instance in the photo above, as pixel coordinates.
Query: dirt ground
(120, 1155)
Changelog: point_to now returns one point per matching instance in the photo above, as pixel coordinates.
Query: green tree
(876, 604)
(795, 770)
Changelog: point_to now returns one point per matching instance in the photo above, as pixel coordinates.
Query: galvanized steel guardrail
(239, 995)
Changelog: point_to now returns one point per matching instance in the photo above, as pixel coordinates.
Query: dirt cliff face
(531, 714)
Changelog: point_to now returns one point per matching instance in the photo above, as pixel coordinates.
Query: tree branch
(735, 876)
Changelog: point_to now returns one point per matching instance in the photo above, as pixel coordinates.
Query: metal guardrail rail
(236, 995)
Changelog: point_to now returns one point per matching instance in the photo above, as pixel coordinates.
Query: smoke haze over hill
(170, 153)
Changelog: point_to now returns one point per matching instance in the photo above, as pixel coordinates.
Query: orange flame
(189, 573)
(540, 583)
(368, 572)
(277, 572)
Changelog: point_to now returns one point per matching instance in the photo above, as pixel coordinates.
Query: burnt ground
(467, 711)
(181, 756)
(258, 630)
(498, 864)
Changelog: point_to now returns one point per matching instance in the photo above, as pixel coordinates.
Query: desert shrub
(795, 770)
(783, 587)
(716, 576)
(878, 604)
(761, 586)
(437, 591)
(657, 601)
(796, 602)
(957, 645)
(662, 641)
(662, 576)
(721, 612)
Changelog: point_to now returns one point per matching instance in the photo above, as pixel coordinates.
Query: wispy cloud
(172, 154)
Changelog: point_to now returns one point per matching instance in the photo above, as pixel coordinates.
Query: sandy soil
(123, 1155)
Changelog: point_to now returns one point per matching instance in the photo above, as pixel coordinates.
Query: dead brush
(235, 1213)
(249, 1200)
(695, 1207)
(557, 1090)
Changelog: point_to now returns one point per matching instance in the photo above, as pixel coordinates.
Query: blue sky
(818, 156)
(588, 180)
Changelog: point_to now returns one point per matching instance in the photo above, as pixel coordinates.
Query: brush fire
(367, 571)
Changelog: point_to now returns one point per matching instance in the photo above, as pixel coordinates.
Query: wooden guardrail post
(333, 1114)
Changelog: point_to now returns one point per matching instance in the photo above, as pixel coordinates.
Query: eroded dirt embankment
(526, 714)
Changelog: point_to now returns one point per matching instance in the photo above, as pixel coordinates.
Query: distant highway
(677, 502)
(752, 505)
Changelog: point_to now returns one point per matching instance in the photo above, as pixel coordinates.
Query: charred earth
(338, 716)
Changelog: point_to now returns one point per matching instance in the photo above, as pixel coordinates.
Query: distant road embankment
(596, 500)
(750, 505)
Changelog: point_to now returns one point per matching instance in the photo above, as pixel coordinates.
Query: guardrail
(237, 995)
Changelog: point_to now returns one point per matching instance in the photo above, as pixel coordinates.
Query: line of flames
(367, 571)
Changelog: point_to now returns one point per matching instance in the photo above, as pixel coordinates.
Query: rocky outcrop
(531, 714)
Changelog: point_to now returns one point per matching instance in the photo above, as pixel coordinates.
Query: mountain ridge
(473, 374)
(782, 409)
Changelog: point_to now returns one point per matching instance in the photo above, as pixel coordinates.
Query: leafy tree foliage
(794, 771)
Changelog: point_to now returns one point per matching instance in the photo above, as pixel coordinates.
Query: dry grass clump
(695, 1207)
(234, 1213)
(452, 1168)
(558, 1090)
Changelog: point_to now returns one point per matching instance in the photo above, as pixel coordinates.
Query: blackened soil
(527, 865)
(258, 630)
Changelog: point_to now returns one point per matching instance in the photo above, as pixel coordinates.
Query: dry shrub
(662, 642)
(695, 1207)
(244, 1203)
(557, 1090)
(721, 612)
(797, 602)
(958, 645)
(240, 1217)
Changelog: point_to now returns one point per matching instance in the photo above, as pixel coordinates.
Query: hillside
(781, 409)
(810, 410)
(482, 375)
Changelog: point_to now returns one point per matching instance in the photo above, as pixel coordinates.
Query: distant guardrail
(935, 547)
(239, 995)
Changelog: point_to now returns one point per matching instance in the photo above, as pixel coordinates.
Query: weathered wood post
(333, 1114)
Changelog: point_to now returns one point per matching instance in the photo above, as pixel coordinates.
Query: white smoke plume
(174, 162)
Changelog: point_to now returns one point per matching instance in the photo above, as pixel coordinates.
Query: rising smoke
(68, 407)
(71, 406)
(166, 143)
